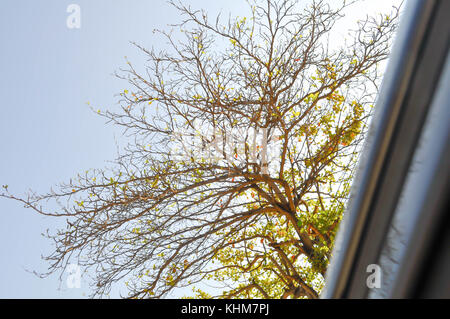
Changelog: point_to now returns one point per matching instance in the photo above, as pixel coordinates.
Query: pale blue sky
(48, 133)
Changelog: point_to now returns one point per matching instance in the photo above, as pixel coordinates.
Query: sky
(48, 133)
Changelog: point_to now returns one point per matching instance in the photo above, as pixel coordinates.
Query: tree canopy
(244, 136)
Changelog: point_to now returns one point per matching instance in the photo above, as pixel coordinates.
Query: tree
(245, 136)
